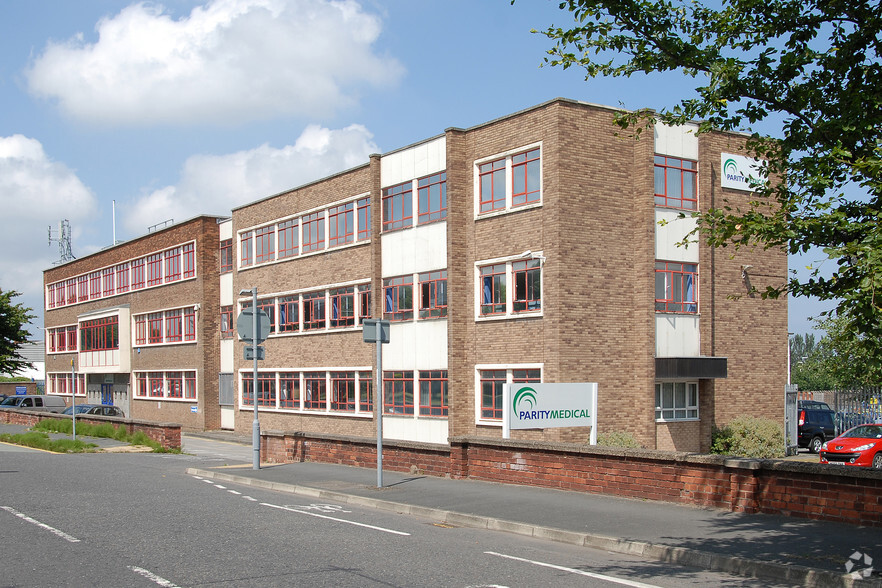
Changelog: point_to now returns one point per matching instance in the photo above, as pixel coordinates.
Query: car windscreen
(865, 432)
(11, 401)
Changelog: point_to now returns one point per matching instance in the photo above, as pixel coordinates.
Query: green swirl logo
(730, 168)
(526, 398)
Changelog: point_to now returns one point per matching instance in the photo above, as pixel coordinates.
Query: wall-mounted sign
(740, 173)
(543, 406)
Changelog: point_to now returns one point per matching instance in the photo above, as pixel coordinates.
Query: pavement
(784, 550)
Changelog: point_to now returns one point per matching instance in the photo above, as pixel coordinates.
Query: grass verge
(104, 430)
(40, 440)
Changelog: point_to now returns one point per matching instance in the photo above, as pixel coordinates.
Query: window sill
(689, 420)
(504, 317)
(509, 210)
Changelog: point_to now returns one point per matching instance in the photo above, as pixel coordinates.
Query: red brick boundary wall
(166, 434)
(798, 489)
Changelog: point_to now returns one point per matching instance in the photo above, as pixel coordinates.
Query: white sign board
(545, 406)
(740, 173)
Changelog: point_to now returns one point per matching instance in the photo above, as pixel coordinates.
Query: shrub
(618, 439)
(748, 436)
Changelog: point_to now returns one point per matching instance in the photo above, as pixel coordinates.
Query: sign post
(377, 331)
(253, 326)
(73, 399)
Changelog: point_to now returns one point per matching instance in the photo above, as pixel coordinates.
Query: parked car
(815, 404)
(815, 426)
(39, 402)
(81, 408)
(104, 410)
(859, 446)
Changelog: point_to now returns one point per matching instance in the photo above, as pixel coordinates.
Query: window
(340, 225)
(266, 389)
(190, 385)
(100, 334)
(173, 326)
(141, 329)
(526, 376)
(72, 338)
(314, 311)
(314, 232)
(492, 181)
(398, 392)
(365, 392)
(226, 322)
(364, 302)
(433, 393)
(525, 178)
(154, 328)
(363, 207)
(170, 326)
(264, 244)
(138, 274)
(174, 384)
(190, 324)
(154, 269)
(289, 238)
(268, 305)
(50, 296)
(492, 382)
(107, 279)
(433, 294)
(141, 384)
(94, 285)
(247, 254)
(82, 288)
(226, 256)
(676, 182)
(432, 196)
(289, 390)
(71, 288)
(188, 258)
(675, 285)
(676, 401)
(398, 298)
(343, 391)
(528, 285)
(315, 393)
(493, 289)
(289, 314)
(398, 206)
(122, 277)
(155, 384)
(173, 264)
(342, 307)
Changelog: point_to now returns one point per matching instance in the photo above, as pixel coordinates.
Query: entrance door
(107, 394)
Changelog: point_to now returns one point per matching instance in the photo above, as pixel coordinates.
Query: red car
(858, 446)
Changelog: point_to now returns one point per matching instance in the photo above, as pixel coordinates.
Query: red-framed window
(70, 288)
(226, 256)
(343, 391)
(266, 389)
(141, 329)
(676, 287)
(313, 231)
(493, 289)
(190, 323)
(365, 392)
(156, 384)
(264, 244)
(433, 294)
(226, 322)
(141, 384)
(122, 277)
(172, 264)
(432, 198)
(61, 293)
(99, 334)
(676, 182)
(526, 376)
(107, 281)
(190, 385)
(525, 178)
(313, 311)
(315, 391)
(492, 382)
(50, 296)
(398, 206)
(154, 269)
(53, 347)
(289, 390)
(342, 307)
(174, 382)
(82, 288)
(154, 328)
(268, 305)
(138, 274)
(364, 302)
(398, 298)
(398, 392)
(94, 285)
(188, 260)
(72, 338)
(246, 242)
(289, 238)
(173, 326)
(433, 393)
(491, 178)
(341, 228)
(289, 314)
(363, 208)
(527, 285)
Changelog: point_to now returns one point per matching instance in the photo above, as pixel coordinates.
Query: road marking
(234, 492)
(153, 577)
(575, 571)
(312, 514)
(53, 530)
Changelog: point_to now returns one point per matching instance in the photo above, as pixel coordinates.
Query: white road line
(153, 577)
(575, 571)
(53, 530)
(312, 514)
(234, 492)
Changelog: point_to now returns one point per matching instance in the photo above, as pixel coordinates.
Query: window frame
(674, 272)
(689, 408)
(393, 290)
(226, 256)
(341, 224)
(510, 307)
(501, 167)
(288, 233)
(396, 202)
(514, 374)
(431, 408)
(427, 186)
(391, 381)
(312, 232)
(433, 294)
(666, 164)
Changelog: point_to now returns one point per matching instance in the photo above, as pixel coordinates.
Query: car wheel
(815, 444)
(877, 461)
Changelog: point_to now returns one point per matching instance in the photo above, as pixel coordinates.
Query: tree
(13, 318)
(837, 361)
(813, 66)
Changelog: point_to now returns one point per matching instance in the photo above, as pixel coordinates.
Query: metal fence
(853, 407)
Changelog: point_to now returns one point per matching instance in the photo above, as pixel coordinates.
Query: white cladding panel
(415, 162)
(226, 290)
(226, 229)
(420, 345)
(677, 335)
(679, 141)
(424, 430)
(415, 250)
(227, 349)
(669, 231)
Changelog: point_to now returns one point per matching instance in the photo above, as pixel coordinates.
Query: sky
(164, 111)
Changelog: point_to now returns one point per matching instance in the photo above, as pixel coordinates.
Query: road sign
(375, 330)
(249, 352)
(245, 327)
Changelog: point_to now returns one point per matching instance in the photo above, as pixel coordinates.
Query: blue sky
(196, 106)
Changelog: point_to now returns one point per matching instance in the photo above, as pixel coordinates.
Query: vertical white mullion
(509, 182)
(509, 287)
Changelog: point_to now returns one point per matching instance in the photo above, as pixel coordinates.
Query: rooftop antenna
(64, 237)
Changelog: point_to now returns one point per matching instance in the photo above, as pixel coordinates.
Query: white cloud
(35, 193)
(215, 184)
(227, 61)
